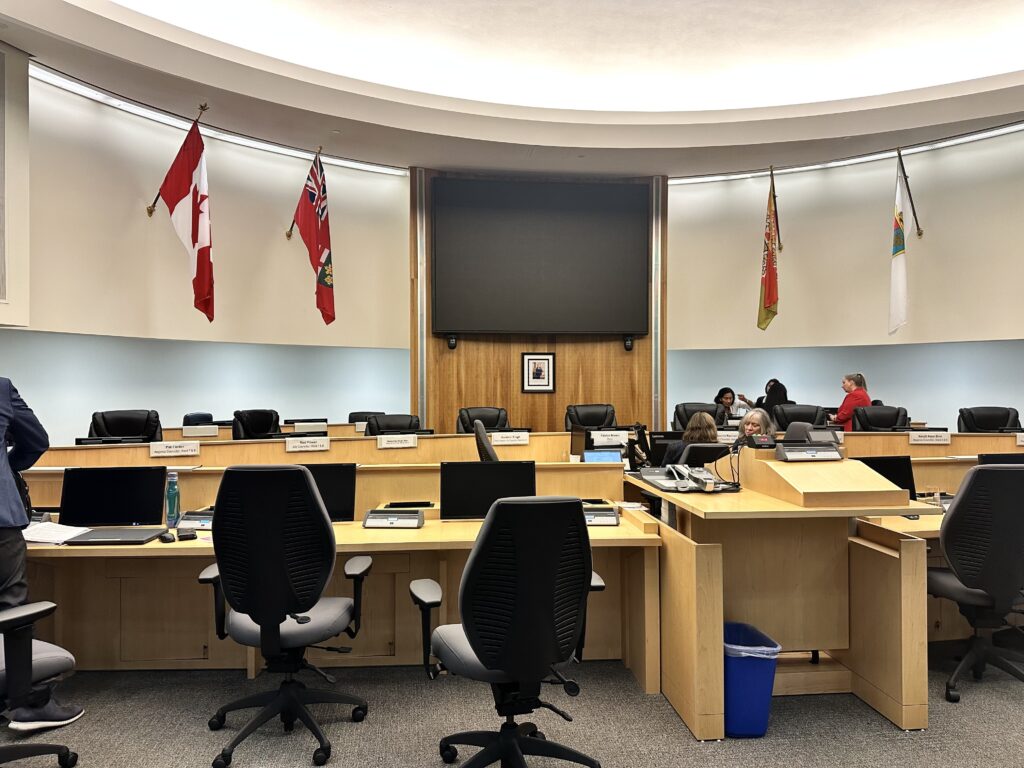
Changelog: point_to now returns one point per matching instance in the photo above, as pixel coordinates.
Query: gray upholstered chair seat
(47, 661)
(451, 646)
(327, 618)
(942, 582)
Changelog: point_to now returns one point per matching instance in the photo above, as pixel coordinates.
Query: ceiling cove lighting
(887, 155)
(65, 83)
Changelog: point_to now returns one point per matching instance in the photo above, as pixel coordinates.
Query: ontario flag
(187, 196)
(768, 304)
(315, 228)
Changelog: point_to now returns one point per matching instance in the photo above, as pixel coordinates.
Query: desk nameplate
(1020, 439)
(174, 448)
(510, 438)
(930, 438)
(609, 437)
(303, 444)
(397, 441)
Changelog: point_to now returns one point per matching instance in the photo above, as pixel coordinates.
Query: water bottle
(173, 501)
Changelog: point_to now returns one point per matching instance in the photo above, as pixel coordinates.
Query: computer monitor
(896, 469)
(468, 488)
(110, 440)
(317, 420)
(659, 442)
(337, 486)
(101, 496)
(407, 431)
(1001, 458)
(699, 454)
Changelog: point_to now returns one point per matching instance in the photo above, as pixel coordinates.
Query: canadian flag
(188, 200)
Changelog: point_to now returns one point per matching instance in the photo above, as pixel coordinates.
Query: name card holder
(303, 444)
(310, 426)
(929, 438)
(728, 437)
(510, 438)
(360, 427)
(615, 438)
(1020, 438)
(397, 441)
(200, 430)
(174, 448)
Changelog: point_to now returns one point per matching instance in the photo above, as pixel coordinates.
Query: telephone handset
(698, 477)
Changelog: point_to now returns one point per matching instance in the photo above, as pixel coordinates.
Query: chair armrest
(211, 576)
(426, 594)
(596, 582)
(24, 615)
(357, 568)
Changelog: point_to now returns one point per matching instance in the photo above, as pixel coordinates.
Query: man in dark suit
(21, 430)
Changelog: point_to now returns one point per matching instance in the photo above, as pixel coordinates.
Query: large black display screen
(540, 257)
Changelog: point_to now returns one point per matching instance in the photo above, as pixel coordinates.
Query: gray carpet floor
(158, 720)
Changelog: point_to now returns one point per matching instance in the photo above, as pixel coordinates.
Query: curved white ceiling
(623, 55)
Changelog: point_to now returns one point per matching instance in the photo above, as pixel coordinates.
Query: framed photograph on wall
(538, 371)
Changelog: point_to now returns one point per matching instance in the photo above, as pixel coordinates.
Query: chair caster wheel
(449, 754)
(539, 735)
(359, 714)
(223, 760)
(288, 723)
(68, 760)
(216, 722)
(952, 694)
(321, 756)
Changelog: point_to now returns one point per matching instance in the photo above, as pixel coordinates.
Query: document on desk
(51, 533)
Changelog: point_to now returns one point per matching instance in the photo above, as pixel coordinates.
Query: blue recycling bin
(750, 657)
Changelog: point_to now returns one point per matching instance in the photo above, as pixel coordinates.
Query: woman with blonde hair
(699, 429)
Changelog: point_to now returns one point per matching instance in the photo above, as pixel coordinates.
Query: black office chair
(987, 419)
(797, 431)
(685, 411)
(492, 418)
(877, 402)
(391, 422)
(982, 539)
(127, 424)
(523, 601)
(484, 448)
(355, 416)
(784, 415)
(275, 554)
(594, 415)
(255, 424)
(699, 454)
(196, 419)
(880, 418)
(24, 662)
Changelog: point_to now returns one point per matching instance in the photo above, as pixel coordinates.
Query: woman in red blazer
(855, 386)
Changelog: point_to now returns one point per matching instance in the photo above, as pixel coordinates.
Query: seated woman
(756, 422)
(700, 429)
(727, 398)
(759, 403)
(856, 388)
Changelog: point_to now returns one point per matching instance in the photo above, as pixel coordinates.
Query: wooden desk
(140, 607)
(811, 577)
(543, 447)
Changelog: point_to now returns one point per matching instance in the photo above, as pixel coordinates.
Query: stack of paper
(51, 533)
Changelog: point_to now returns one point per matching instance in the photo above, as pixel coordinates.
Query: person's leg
(42, 710)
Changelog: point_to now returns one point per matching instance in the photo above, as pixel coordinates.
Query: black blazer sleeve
(25, 432)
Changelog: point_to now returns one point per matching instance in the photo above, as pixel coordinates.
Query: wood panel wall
(487, 369)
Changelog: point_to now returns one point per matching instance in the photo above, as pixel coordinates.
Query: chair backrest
(784, 415)
(987, 419)
(484, 448)
(254, 424)
(879, 418)
(982, 535)
(699, 454)
(492, 418)
(685, 411)
(389, 422)
(127, 424)
(797, 430)
(196, 418)
(355, 416)
(524, 589)
(596, 415)
(274, 545)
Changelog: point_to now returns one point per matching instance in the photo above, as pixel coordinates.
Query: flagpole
(288, 233)
(152, 207)
(906, 183)
(775, 205)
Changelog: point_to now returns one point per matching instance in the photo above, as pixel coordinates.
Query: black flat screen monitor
(898, 470)
(318, 420)
(660, 442)
(540, 256)
(337, 486)
(1001, 458)
(469, 488)
(102, 496)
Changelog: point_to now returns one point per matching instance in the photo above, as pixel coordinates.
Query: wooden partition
(486, 370)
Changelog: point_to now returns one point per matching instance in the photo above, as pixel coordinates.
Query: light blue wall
(932, 381)
(65, 377)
